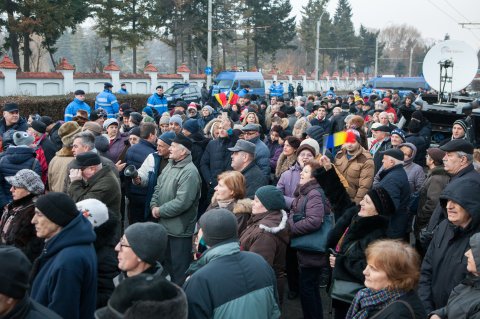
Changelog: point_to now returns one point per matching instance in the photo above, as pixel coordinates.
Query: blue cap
(192, 126)
(168, 137)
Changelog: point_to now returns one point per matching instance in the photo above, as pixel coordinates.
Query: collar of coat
(276, 229)
(181, 163)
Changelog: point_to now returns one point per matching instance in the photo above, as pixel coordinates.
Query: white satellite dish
(465, 64)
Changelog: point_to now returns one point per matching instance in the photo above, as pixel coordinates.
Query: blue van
(235, 81)
(404, 85)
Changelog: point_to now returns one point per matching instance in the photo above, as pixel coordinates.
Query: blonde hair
(235, 181)
(398, 260)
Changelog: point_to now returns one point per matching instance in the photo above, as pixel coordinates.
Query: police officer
(107, 101)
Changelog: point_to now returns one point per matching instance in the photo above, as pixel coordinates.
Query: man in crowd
(246, 278)
(175, 205)
(243, 161)
(321, 119)
(10, 123)
(65, 279)
(78, 103)
(107, 101)
(158, 101)
(251, 133)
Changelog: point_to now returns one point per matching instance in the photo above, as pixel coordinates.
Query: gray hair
(183, 148)
(396, 161)
(87, 139)
(469, 157)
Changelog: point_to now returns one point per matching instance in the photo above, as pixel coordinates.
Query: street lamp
(319, 22)
(209, 44)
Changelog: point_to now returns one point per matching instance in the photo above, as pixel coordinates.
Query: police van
(236, 81)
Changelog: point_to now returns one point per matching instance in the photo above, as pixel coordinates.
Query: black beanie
(58, 207)
(14, 272)
(382, 201)
(271, 197)
(148, 241)
(218, 226)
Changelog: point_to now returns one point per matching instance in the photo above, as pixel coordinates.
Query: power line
(455, 9)
(443, 11)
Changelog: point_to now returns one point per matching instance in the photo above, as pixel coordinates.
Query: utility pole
(317, 48)
(376, 57)
(410, 64)
(209, 43)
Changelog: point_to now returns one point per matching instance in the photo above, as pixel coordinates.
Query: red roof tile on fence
(198, 76)
(169, 76)
(183, 68)
(134, 76)
(6, 63)
(111, 66)
(91, 76)
(150, 68)
(64, 65)
(39, 75)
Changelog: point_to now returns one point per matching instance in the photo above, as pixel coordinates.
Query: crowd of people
(223, 211)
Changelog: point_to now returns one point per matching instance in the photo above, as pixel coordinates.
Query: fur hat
(93, 127)
(67, 131)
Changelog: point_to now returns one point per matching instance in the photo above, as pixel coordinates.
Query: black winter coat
(6, 132)
(421, 145)
(54, 137)
(445, 265)
(254, 178)
(397, 310)
(200, 143)
(216, 159)
(136, 154)
(48, 148)
(107, 262)
(30, 309)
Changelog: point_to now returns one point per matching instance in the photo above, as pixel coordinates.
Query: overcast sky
(434, 18)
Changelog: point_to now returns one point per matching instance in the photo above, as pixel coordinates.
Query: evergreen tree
(366, 54)
(344, 33)
(106, 18)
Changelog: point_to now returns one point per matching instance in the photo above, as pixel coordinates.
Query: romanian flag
(338, 139)
(223, 98)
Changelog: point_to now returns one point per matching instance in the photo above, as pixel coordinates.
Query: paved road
(293, 310)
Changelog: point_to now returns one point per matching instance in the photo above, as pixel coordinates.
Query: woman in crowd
(16, 228)
(275, 145)
(230, 194)
(464, 301)
(266, 233)
(288, 158)
(357, 227)
(391, 276)
(310, 202)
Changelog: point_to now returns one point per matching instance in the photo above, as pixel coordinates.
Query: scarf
(367, 301)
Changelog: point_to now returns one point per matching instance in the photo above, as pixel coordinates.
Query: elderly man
(243, 161)
(15, 301)
(65, 279)
(251, 133)
(85, 142)
(356, 164)
(394, 180)
(10, 123)
(381, 144)
(175, 205)
(90, 179)
(444, 265)
(458, 163)
(78, 103)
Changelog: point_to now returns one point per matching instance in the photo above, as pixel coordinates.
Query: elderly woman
(309, 202)
(266, 233)
(230, 194)
(16, 228)
(357, 227)
(141, 250)
(464, 299)
(391, 276)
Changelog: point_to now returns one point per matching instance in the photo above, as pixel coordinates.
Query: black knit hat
(395, 153)
(271, 197)
(148, 241)
(39, 126)
(14, 272)
(59, 208)
(462, 123)
(218, 226)
(382, 201)
(183, 140)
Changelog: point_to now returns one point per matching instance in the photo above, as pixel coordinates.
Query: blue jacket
(107, 101)
(73, 107)
(136, 155)
(395, 182)
(366, 91)
(122, 91)
(11, 161)
(330, 92)
(276, 90)
(66, 275)
(159, 102)
(230, 283)
(216, 159)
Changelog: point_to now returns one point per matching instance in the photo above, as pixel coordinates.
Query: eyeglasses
(250, 133)
(122, 245)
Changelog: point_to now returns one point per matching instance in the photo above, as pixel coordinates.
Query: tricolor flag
(338, 139)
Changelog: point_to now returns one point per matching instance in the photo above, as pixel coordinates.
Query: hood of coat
(243, 206)
(414, 152)
(464, 192)
(19, 154)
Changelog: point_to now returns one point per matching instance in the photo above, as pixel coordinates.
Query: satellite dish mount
(446, 76)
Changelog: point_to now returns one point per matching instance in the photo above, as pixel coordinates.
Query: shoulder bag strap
(304, 204)
(406, 304)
